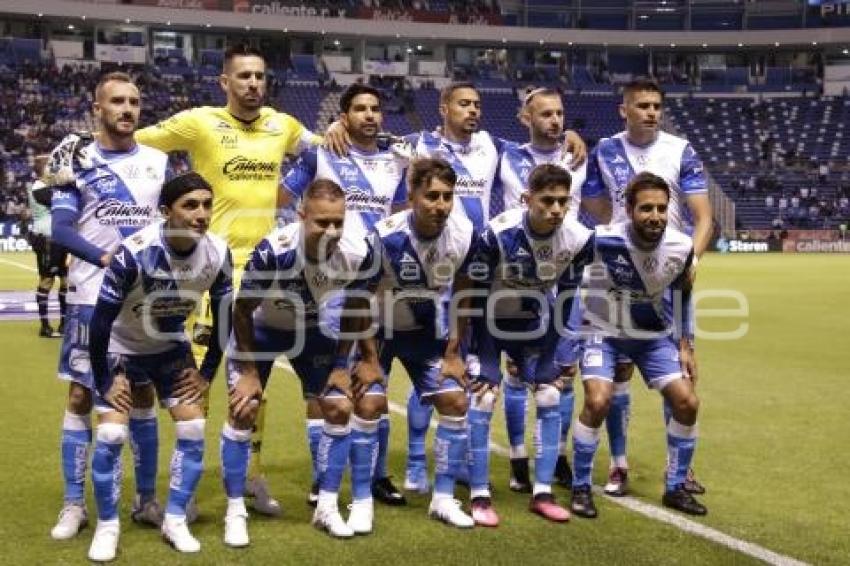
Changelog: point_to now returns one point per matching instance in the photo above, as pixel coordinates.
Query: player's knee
(144, 397)
(687, 408)
(192, 429)
(485, 403)
(370, 407)
(79, 399)
(112, 433)
(336, 411)
(247, 419)
(597, 401)
(547, 395)
(452, 403)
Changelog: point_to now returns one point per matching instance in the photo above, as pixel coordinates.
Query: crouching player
(535, 259)
(631, 313)
(152, 284)
(288, 303)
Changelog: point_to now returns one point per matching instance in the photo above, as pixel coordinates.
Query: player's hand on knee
(454, 367)
(575, 146)
(483, 390)
(245, 395)
(340, 380)
(67, 159)
(190, 386)
(119, 395)
(336, 139)
(511, 368)
(688, 361)
(365, 374)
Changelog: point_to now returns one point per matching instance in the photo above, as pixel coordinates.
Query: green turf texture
(774, 430)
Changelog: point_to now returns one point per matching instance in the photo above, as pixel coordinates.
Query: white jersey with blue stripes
(418, 274)
(516, 166)
(158, 288)
(625, 285)
(296, 292)
(114, 199)
(476, 164)
(527, 269)
(615, 161)
(372, 182)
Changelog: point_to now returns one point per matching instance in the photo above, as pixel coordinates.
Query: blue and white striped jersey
(625, 285)
(372, 182)
(417, 275)
(114, 199)
(296, 292)
(527, 270)
(157, 288)
(614, 161)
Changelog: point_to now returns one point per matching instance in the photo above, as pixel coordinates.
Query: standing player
(114, 197)
(373, 182)
(51, 259)
(292, 288)
(535, 257)
(425, 255)
(153, 282)
(612, 164)
(238, 149)
(637, 263)
(542, 113)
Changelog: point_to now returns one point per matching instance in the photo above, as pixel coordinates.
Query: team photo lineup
(529, 281)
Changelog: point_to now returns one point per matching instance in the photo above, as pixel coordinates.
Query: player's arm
(571, 278)
(177, 133)
(400, 201)
(118, 279)
(298, 178)
(694, 185)
(683, 319)
(221, 293)
(64, 213)
(595, 198)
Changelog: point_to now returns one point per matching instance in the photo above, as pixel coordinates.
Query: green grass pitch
(774, 435)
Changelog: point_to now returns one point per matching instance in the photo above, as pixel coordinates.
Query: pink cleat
(483, 513)
(544, 505)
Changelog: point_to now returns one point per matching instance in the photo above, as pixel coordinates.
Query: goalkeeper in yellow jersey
(238, 149)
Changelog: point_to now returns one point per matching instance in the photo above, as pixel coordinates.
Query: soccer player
(137, 334)
(238, 149)
(426, 259)
(374, 185)
(637, 305)
(292, 288)
(542, 113)
(51, 258)
(114, 197)
(612, 164)
(535, 258)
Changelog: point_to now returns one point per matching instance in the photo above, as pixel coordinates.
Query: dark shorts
(51, 258)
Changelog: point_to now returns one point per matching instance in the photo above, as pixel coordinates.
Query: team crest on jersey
(430, 255)
(271, 126)
(544, 253)
(650, 264)
(151, 173)
(642, 159)
(673, 266)
(131, 171)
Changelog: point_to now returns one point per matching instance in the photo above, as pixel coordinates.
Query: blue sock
(547, 433)
(76, 437)
(568, 399)
(144, 441)
(418, 420)
(314, 434)
(235, 454)
(617, 424)
(334, 448)
(585, 442)
(187, 465)
(383, 448)
(681, 441)
(106, 469)
(364, 448)
(450, 447)
(516, 399)
(479, 450)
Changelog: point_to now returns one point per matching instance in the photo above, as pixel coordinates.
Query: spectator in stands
(768, 201)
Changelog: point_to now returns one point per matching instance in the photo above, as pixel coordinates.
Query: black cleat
(582, 503)
(692, 485)
(384, 491)
(520, 478)
(563, 473)
(313, 495)
(680, 500)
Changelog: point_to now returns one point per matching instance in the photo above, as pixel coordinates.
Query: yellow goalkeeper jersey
(242, 162)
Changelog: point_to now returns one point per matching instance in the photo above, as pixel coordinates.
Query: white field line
(650, 511)
(18, 264)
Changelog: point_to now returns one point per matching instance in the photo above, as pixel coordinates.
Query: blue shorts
(538, 360)
(422, 358)
(312, 364)
(160, 369)
(74, 362)
(657, 360)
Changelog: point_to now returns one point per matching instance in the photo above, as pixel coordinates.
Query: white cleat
(104, 544)
(449, 511)
(258, 489)
(328, 519)
(416, 480)
(236, 529)
(361, 517)
(175, 530)
(72, 518)
(149, 513)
